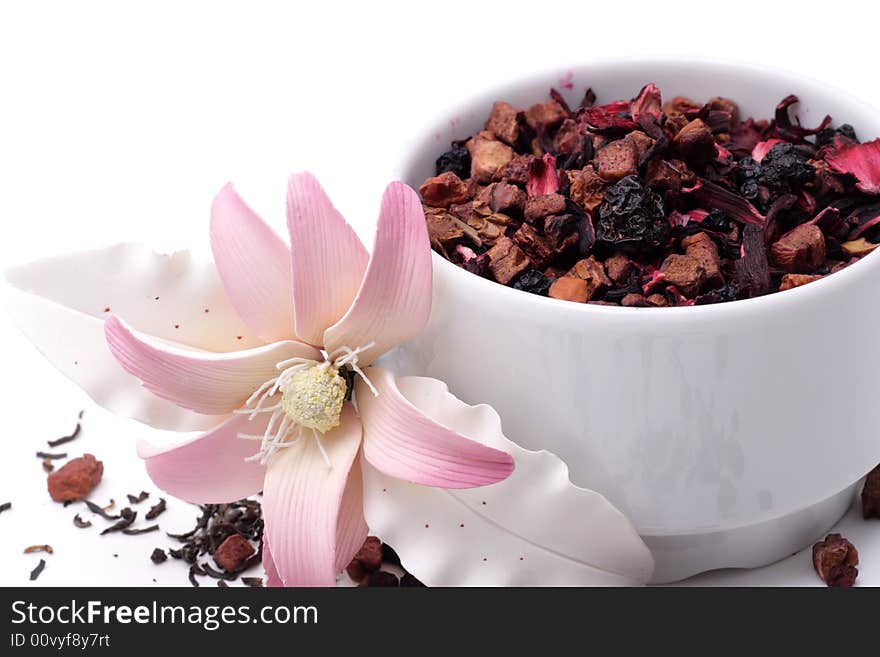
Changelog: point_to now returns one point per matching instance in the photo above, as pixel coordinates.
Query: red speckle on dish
(384, 490)
(107, 309)
(177, 326)
(461, 525)
(427, 525)
(485, 559)
(207, 310)
(520, 558)
(155, 298)
(484, 502)
(76, 362)
(567, 80)
(238, 337)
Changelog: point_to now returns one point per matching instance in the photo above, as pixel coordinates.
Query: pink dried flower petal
(859, 160)
(676, 218)
(542, 176)
(713, 196)
(794, 132)
(763, 147)
(657, 277)
(648, 102)
(613, 116)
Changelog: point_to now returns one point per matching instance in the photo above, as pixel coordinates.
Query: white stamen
(283, 434)
(351, 359)
(259, 391)
(321, 448)
(252, 413)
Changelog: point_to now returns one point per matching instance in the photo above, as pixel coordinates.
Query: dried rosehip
(835, 560)
(871, 495)
(457, 160)
(535, 282)
(632, 217)
(785, 168)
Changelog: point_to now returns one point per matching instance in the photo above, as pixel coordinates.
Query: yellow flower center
(314, 396)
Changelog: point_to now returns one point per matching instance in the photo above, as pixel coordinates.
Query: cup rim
(810, 293)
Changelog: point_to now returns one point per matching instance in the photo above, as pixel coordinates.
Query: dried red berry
(871, 494)
(76, 479)
(367, 560)
(835, 559)
(233, 552)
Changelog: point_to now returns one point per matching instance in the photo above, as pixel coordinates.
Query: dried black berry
(719, 295)
(632, 218)
(535, 282)
(717, 220)
(827, 135)
(748, 173)
(456, 159)
(785, 167)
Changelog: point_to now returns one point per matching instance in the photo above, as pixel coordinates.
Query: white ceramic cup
(732, 435)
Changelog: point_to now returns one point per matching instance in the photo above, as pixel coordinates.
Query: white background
(120, 121)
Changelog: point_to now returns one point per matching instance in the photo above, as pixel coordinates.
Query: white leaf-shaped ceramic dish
(61, 303)
(534, 529)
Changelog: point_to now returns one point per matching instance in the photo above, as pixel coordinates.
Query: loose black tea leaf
(137, 499)
(49, 455)
(222, 584)
(213, 526)
(5, 506)
(72, 436)
(48, 466)
(157, 510)
(79, 522)
(181, 537)
(94, 508)
(254, 582)
(194, 570)
(128, 516)
(216, 574)
(39, 548)
(158, 556)
(141, 530)
(38, 570)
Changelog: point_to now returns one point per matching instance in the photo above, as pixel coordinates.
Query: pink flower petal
(402, 441)
(273, 579)
(761, 149)
(314, 515)
(859, 160)
(204, 382)
(328, 258)
(254, 266)
(211, 468)
(394, 301)
(165, 296)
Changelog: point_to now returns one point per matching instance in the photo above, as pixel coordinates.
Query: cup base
(677, 557)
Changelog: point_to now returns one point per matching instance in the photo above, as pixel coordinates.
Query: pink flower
(325, 311)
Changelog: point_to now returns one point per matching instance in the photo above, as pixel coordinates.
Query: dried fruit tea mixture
(644, 203)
